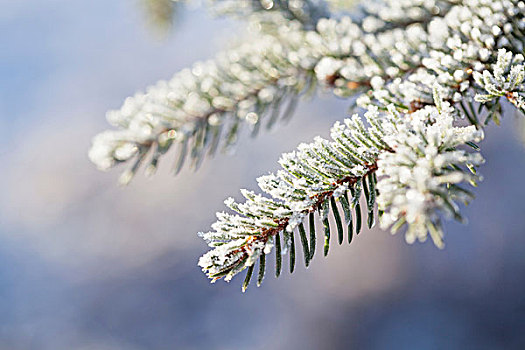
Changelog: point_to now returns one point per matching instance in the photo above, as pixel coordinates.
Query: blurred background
(85, 264)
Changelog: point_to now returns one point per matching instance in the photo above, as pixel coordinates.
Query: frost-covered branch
(200, 107)
(423, 66)
(420, 177)
(419, 165)
(414, 76)
(505, 80)
(192, 108)
(403, 65)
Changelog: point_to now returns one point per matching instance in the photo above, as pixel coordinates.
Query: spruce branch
(199, 108)
(505, 80)
(451, 53)
(415, 155)
(423, 67)
(240, 87)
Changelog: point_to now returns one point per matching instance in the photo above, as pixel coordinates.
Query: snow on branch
(203, 108)
(452, 52)
(429, 71)
(420, 168)
(505, 80)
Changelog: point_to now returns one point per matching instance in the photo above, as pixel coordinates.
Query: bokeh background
(85, 264)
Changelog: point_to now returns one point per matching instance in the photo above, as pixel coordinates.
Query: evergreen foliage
(430, 75)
